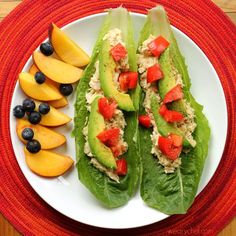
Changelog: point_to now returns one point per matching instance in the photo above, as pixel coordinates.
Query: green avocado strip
(96, 124)
(106, 71)
(168, 82)
(120, 19)
(165, 128)
(110, 193)
(172, 193)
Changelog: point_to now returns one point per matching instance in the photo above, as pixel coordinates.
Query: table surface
(228, 6)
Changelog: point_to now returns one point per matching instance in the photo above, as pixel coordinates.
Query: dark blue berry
(44, 108)
(27, 134)
(18, 111)
(46, 49)
(66, 89)
(33, 146)
(28, 105)
(34, 117)
(39, 77)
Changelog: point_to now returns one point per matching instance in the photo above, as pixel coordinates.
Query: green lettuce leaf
(172, 193)
(108, 192)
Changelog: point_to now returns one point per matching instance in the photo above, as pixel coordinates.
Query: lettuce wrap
(99, 175)
(169, 182)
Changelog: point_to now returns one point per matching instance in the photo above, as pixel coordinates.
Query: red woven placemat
(23, 30)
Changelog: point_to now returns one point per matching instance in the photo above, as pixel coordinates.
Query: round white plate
(66, 194)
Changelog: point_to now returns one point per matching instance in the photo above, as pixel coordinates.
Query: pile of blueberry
(34, 117)
(28, 107)
(32, 145)
(47, 50)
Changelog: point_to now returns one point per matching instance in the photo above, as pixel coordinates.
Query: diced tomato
(118, 52)
(121, 167)
(106, 107)
(163, 110)
(109, 137)
(174, 94)
(173, 116)
(124, 83)
(133, 79)
(169, 115)
(158, 45)
(154, 73)
(145, 121)
(168, 146)
(116, 150)
(177, 140)
(128, 80)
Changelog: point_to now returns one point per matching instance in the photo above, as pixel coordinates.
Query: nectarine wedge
(48, 164)
(57, 70)
(33, 69)
(59, 103)
(56, 103)
(48, 138)
(54, 117)
(43, 92)
(67, 49)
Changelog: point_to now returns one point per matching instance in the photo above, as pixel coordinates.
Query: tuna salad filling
(123, 78)
(119, 52)
(116, 122)
(150, 72)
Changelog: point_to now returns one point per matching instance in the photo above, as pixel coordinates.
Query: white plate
(67, 195)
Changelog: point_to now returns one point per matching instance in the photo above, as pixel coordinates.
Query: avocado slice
(165, 128)
(158, 24)
(96, 125)
(168, 82)
(106, 74)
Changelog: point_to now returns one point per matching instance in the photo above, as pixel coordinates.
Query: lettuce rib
(172, 193)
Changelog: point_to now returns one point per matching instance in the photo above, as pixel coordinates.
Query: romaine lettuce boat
(174, 134)
(106, 126)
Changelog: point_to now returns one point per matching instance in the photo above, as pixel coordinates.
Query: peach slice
(33, 69)
(59, 103)
(43, 92)
(54, 117)
(57, 70)
(56, 103)
(54, 55)
(48, 138)
(67, 49)
(47, 163)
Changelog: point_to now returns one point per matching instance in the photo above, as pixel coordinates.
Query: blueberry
(28, 105)
(66, 89)
(33, 146)
(39, 77)
(34, 117)
(46, 49)
(44, 108)
(27, 134)
(18, 111)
